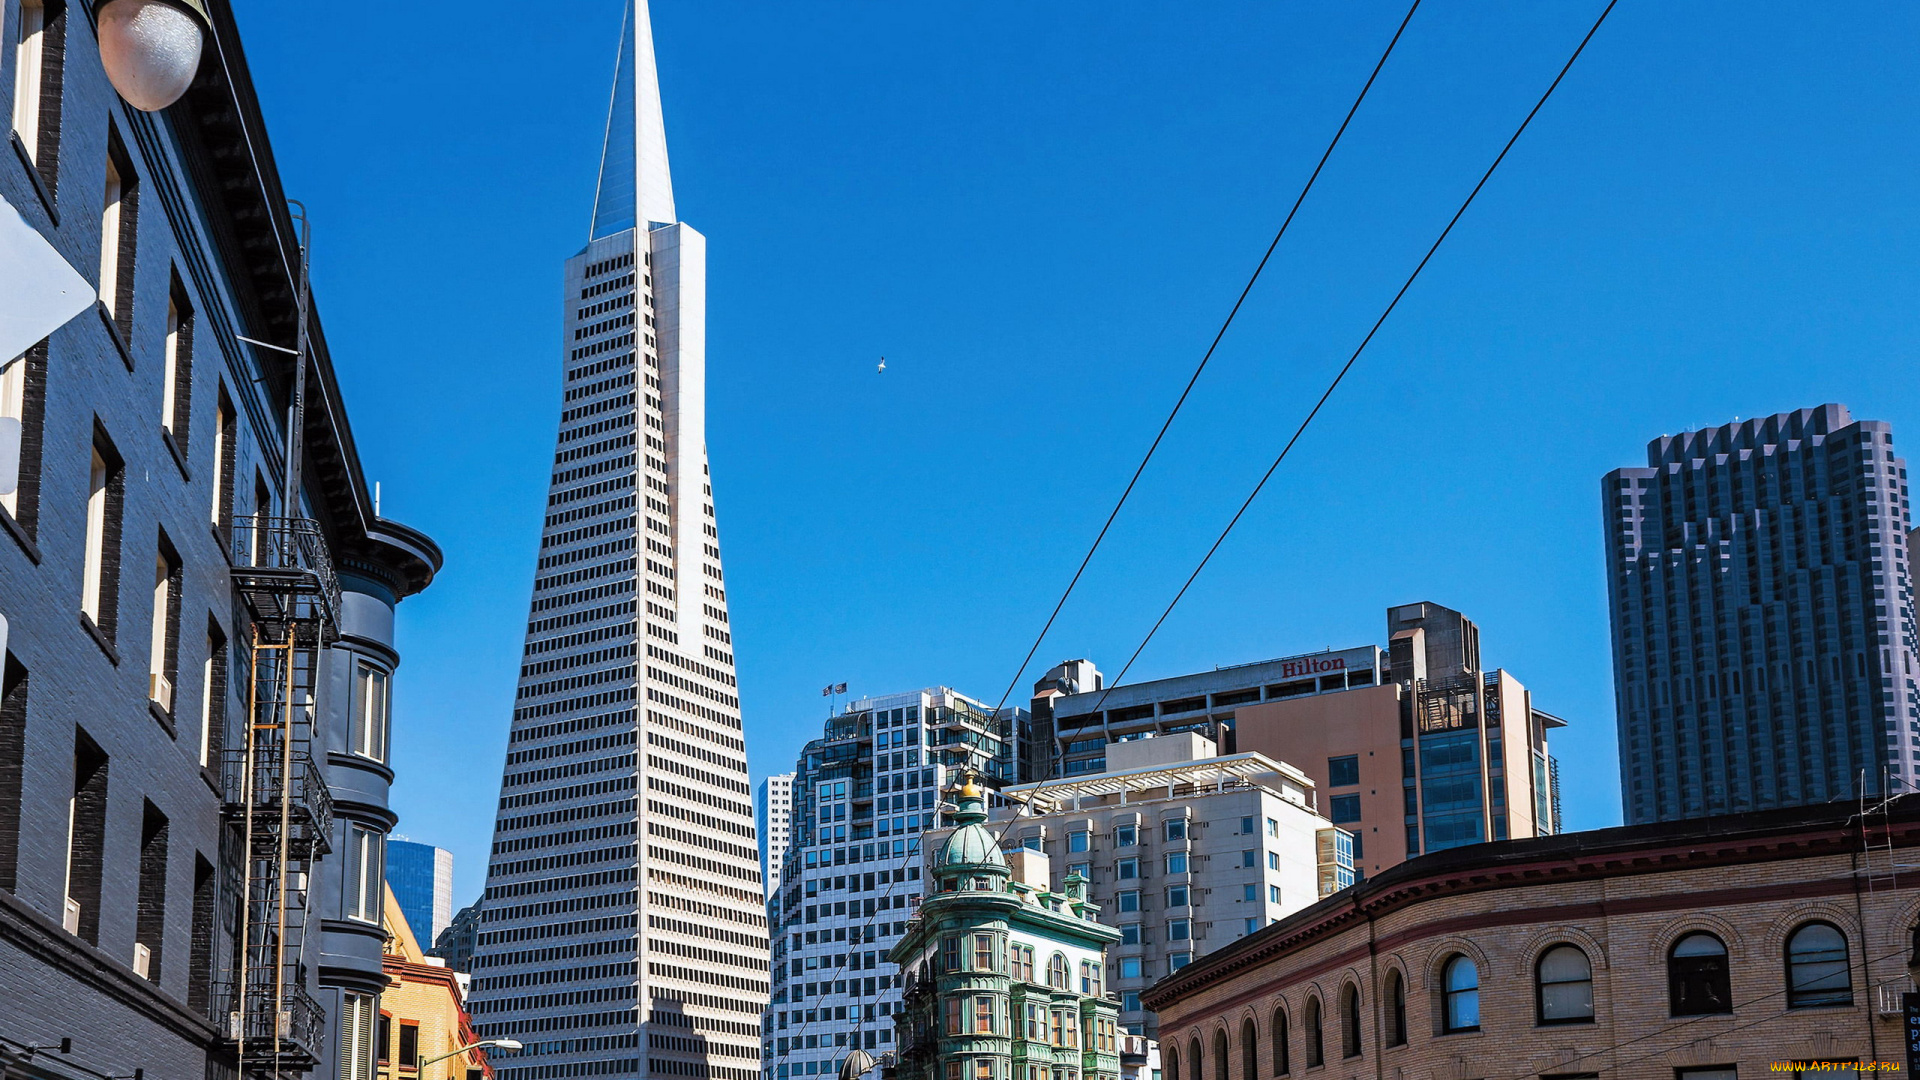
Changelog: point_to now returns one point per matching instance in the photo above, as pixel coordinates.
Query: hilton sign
(1311, 665)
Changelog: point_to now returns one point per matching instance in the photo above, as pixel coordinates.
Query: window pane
(1343, 771)
(1817, 967)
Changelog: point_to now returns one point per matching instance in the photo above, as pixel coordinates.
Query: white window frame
(357, 1013)
(29, 66)
(13, 406)
(93, 574)
(163, 600)
(364, 875)
(206, 704)
(368, 731)
(170, 371)
(112, 218)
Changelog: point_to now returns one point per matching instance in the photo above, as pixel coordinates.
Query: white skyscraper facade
(624, 929)
(773, 812)
(862, 794)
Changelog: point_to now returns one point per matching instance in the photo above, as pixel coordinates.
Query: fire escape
(276, 801)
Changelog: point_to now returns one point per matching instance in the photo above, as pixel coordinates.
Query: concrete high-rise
(1413, 748)
(1183, 850)
(862, 795)
(623, 925)
(1763, 619)
(421, 877)
(773, 815)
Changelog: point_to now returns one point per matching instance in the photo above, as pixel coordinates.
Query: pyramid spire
(635, 186)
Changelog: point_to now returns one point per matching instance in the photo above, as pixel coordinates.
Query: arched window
(1817, 971)
(1350, 1021)
(1460, 995)
(1173, 1063)
(1564, 979)
(1193, 1058)
(1057, 971)
(1220, 1055)
(1249, 1050)
(1396, 1009)
(1697, 981)
(1281, 1066)
(1316, 1048)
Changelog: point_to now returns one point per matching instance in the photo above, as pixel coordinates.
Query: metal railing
(294, 1035)
(275, 550)
(311, 809)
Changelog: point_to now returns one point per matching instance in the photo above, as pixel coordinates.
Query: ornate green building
(1005, 979)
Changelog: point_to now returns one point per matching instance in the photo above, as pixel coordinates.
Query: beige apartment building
(1184, 850)
(1414, 748)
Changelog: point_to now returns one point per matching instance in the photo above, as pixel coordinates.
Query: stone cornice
(1794, 833)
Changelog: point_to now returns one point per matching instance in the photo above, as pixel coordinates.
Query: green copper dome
(971, 846)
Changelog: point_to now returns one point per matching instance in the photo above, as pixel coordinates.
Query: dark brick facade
(151, 862)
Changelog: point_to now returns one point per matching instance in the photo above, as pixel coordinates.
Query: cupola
(971, 850)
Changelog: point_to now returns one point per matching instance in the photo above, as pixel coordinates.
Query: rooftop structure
(1005, 973)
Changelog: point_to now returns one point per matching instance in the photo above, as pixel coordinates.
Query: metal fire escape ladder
(276, 799)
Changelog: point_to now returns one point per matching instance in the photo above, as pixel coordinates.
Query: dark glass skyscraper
(1763, 619)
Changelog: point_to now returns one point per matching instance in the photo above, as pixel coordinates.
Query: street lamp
(151, 48)
(503, 1044)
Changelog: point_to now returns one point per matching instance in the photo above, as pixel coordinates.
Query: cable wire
(1364, 342)
(1181, 401)
(1114, 683)
(1178, 404)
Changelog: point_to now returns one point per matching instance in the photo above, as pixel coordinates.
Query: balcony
(283, 569)
(289, 1038)
(310, 813)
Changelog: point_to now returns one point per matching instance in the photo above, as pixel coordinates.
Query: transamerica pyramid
(622, 930)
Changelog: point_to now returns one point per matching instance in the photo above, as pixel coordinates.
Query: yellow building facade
(421, 1014)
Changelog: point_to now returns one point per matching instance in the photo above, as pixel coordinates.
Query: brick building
(137, 555)
(423, 1018)
(1699, 950)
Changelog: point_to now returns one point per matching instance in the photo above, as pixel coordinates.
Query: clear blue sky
(1039, 214)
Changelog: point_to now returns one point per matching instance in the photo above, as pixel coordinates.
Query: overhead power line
(840, 970)
(1364, 342)
(1208, 355)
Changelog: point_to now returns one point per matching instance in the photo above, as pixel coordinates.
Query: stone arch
(1396, 1022)
(1279, 1036)
(1537, 945)
(1773, 939)
(1351, 1008)
(1442, 949)
(1661, 943)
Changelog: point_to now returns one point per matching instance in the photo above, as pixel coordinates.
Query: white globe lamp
(151, 48)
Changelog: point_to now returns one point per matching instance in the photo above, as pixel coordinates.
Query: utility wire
(1208, 355)
(1154, 446)
(1364, 342)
